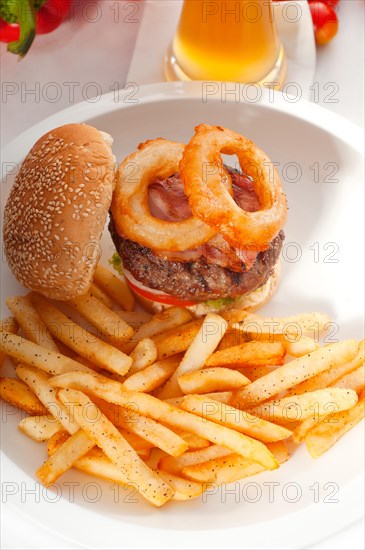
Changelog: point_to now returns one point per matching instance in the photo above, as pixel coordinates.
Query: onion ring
(154, 159)
(201, 170)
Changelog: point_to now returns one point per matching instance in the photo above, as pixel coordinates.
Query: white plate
(323, 270)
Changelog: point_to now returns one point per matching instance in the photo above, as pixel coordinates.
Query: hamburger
(217, 273)
(173, 244)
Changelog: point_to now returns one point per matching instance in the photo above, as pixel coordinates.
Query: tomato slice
(157, 296)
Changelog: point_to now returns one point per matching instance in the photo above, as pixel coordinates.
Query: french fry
(193, 441)
(38, 382)
(295, 345)
(39, 428)
(203, 345)
(174, 465)
(212, 379)
(279, 450)
(153, 376)
(141, 446)
(109, 439)
(183, 489)
(143, 355)
(330, 375)
(65, 350)
(96, 463)
(296, 371)
(86, 344)
(175, 401)
(73, 448)
(302, 324)
(9, 325)
(234, 316)
(32, 354)
(300, 347)
(221, 396)
(230, 468)
(235, 419)
(301, 428)
(17, 393)
(133, 318)
(115, 287)
(164, 321)
(232, 338)
(153, 432)
(102, 296)
(253, 373)
(177, 339)
(221, 470)
(300, 407)
(56, 441)
(107, 322)
(250, 354)
(353, 380)
(167, 414)
(91, 366)
(322, 437)
(30, 321)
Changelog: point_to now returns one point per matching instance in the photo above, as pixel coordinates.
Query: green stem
(25, 13)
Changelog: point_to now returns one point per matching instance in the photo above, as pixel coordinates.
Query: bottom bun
(248, 302)
(258, 298)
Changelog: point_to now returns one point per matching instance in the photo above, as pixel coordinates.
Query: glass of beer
(227, 40)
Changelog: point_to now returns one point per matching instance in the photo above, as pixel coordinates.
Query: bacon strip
(167, 201)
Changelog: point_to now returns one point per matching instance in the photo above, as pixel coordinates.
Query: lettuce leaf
(220, 302)
(116, 262)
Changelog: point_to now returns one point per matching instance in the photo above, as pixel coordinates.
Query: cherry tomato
(332, 3)
(324, 20)
(51, 15)
(8, 32)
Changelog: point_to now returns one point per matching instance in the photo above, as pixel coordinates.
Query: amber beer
(226, 40)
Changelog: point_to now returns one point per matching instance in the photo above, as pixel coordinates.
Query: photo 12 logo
(92, 492)
(274, 492)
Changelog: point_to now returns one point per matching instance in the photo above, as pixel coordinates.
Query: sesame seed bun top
(56, 211)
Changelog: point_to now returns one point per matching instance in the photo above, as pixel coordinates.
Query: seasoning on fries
(10, 325)
(30, 321)
(298, 370)
(40, 428)
(217, 411)
(17, 393)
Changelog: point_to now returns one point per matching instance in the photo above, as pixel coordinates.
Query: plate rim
(149, 93)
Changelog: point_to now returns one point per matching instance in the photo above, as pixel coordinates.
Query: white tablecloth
(91, 55)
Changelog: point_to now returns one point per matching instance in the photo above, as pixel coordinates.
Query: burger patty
(198, 280)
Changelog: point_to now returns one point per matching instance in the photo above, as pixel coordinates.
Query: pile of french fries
(169, 403)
